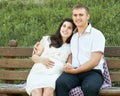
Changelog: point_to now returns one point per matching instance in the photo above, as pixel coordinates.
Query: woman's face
(66, 30)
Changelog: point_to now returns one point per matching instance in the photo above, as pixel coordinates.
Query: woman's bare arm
(36, 56)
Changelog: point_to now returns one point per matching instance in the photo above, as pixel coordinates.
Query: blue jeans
(90, 83)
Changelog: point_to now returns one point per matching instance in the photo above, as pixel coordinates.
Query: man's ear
(88, 16)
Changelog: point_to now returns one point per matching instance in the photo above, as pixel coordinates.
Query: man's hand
(35, 48)
(69, 69)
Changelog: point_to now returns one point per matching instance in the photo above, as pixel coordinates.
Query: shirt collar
(87, 30)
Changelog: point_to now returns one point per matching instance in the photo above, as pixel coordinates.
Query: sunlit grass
(28, 20)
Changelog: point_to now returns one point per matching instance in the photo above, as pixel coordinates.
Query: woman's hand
(47, 62)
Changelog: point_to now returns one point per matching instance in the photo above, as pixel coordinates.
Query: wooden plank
(25, 51)
(113, 63)
(115, 76)
(27, 63)
(112, 91)
(16, 63)
(13, 75)
(12, 88)
(112, 51)
(15, 51)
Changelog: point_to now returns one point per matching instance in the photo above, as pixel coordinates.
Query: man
(87, 47)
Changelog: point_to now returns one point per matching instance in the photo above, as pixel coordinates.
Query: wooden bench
(15, 63)
(112, 55)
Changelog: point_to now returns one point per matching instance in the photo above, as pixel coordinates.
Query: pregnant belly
(41, 68)
(57, 68)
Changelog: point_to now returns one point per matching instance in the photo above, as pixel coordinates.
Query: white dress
(40, 76)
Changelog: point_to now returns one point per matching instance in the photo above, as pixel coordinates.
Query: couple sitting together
(72, 58)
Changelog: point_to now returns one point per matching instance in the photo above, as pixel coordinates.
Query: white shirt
(82, 46)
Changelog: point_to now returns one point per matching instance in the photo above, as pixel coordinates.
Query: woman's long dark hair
(56, 40)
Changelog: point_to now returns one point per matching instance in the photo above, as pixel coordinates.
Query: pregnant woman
(52, 53)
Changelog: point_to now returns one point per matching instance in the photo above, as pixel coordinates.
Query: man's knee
(90, 90)
(60, 81)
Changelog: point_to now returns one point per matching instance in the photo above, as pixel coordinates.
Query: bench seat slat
(12, 88)
(113, 91)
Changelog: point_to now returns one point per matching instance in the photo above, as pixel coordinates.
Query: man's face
(80, 17)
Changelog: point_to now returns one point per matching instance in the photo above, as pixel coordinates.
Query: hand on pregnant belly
(47, 62)
(57, 68)
(51, 68)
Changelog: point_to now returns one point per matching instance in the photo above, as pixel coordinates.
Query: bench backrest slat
(16, 63)
(16, 57)
(13, 75)
(15, 51)
(112, 51)
(113, 63)
(115, 76)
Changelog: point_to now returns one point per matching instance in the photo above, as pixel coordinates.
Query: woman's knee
(37, 92)
(49, 91)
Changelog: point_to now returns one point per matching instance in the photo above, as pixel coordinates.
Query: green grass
(28, 20)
